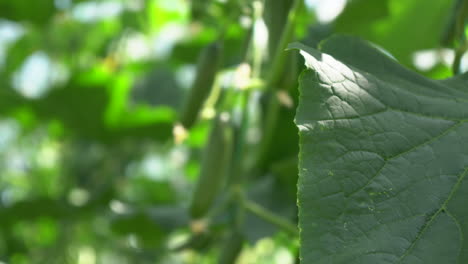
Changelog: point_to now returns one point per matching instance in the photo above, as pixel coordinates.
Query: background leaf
(399, 26)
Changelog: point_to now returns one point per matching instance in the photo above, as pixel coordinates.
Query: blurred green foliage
(90, 94)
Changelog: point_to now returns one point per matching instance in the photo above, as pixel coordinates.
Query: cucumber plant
(294, 143)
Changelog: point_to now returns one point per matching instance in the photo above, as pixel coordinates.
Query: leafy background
(90, 92)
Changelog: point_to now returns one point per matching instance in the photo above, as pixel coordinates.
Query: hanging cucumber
(231, 249)
(207, 67)
(214, 164)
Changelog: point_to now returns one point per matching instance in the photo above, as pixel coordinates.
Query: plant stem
(462, 16)
(273, 80)
(237, 176)
(286, 37)
(459, 52)
(271, 217)
(237, 171)
(240, 209)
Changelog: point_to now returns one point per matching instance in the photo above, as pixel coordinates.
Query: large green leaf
(383, 160)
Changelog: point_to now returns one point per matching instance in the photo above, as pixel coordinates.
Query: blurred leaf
(271, 194)
(399, 26)
(32, 210)
(169, 217)
(152, 225)
(145, 191)
(317, 33)
(439, 71)
(199, 8)
(141, 225)
(41, 232)
(360, 14)
(80, 105)
(20, 50)
(188, 50)
(286, 172)
(37, 11)
(160, 13)
(284, 141)
(157, 88)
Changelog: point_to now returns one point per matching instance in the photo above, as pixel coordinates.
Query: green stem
(237, 171)
(273, 77)
(270, 217)
(279, 58)
(237, 176)
(239, 209)
(459, 52)
(273, 80)
(462, 15)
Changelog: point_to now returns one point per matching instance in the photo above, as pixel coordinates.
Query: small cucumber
(207, 67)
(231, 249)
(213, 170)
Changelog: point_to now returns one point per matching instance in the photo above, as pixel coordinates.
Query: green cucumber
(213, 170)
(231, 249)
(208, 64)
